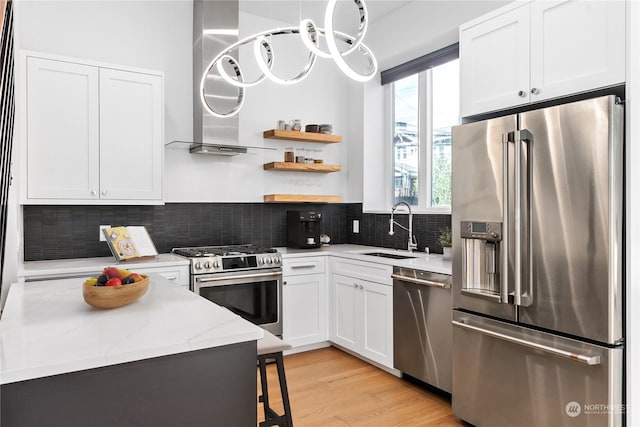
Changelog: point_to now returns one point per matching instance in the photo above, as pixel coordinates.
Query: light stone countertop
(77, 267)
(47, 328)
(84, 266)
(422, 261)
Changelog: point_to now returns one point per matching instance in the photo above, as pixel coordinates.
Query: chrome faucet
(412, 243)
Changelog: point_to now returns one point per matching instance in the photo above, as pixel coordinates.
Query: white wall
(376, 152)
(418, 28)
(421, 27)
(632, 273)
(320, 98)
(157, 34)
(144, 34)
(355, 154)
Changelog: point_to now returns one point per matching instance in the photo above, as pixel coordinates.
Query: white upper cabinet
(93, 133)
(536, 51)
(62, 130)
(494, 63)
(576, 46)
(130, 135)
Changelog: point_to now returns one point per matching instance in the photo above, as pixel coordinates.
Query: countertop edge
(427, 262)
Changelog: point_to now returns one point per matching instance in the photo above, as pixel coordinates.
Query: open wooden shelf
(291, 135)
(293, 198)
(301, 167)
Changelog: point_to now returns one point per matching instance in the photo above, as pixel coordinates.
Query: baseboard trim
(308, 347)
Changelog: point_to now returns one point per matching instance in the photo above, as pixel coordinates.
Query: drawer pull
(302, 266)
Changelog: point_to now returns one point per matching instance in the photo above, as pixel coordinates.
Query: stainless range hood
(215, 27)
(217, 149)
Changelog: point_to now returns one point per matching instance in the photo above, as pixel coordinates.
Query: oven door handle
(244, 276)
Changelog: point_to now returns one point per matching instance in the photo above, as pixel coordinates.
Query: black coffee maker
(303, 229)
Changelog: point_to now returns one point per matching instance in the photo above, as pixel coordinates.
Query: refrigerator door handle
(582, 358)
(504, 243)
(523, 298)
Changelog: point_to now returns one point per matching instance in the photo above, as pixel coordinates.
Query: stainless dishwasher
(422, 331)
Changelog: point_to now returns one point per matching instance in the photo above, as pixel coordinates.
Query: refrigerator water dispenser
(481, 258)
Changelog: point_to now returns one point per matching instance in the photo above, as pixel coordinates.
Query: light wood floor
(329, 387)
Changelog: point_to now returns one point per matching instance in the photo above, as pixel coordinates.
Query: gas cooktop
(232, 250)
(218, 259)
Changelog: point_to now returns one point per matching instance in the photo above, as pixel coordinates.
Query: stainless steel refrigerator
(537, 267)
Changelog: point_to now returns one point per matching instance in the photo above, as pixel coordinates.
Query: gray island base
(209, 387)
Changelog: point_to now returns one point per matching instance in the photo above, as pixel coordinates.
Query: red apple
(114, 282)
(112, 272)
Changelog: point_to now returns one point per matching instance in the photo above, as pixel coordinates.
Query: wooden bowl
(105, 297)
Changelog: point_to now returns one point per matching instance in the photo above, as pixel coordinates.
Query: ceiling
(381, 8)
(290, 11)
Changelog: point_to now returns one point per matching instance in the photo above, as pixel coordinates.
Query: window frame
(425, 143)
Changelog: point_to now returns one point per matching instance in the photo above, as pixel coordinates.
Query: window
(424, 107)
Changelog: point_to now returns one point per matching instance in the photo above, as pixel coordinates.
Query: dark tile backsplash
(374, 229)
(60, 232)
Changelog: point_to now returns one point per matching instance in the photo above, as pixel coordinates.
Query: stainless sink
(388, 255)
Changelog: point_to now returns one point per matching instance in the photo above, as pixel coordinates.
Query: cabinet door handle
(534, 90)
(94, 192)
(284, 282)
(104, 192)
(521, 93)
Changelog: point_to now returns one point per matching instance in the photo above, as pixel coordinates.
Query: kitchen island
(170, 358)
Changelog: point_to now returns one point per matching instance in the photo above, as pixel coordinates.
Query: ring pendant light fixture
(310, 35)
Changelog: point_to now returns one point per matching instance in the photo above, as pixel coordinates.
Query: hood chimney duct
(215, 27)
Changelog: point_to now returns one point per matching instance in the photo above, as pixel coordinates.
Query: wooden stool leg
(263, 384)
(283, 390)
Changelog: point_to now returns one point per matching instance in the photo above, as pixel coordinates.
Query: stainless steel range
(246, 279)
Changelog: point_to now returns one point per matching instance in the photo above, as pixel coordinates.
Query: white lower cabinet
(344, 307)
(304, 301)
(377, 322)
(361, 317)
(166, 265)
